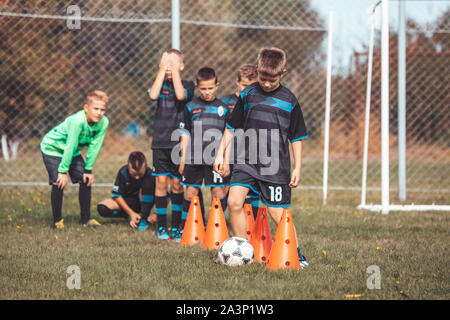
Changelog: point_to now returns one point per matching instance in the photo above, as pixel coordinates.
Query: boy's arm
(73, 133)
(95, 146)
(296, 134)
(234, 122)
(134, 217)
(180, 93)
(185, 130)
(296, 172)
(117, 195)
(158, 82)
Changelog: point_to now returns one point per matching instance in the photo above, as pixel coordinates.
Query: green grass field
(410, 248)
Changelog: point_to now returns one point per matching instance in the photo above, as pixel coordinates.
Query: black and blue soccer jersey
(169, 113)
(230, 100)
(127, 187)
(269, 121)
(205, 122)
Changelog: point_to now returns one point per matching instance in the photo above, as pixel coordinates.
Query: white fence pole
(327, 109)
(176, 24)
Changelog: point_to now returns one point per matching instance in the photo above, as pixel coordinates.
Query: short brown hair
(248, 71)
(271, 61)
(176, 52)
(137, 160)
(206, 73)
(97, 95)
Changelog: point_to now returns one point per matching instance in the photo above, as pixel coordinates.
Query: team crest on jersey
(181, 125)
(116, 188)
(220, 111)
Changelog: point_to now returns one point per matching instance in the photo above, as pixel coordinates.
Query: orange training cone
(216, 230)
(250, 219)
(261, 239)
(194, 229)
(284, 250)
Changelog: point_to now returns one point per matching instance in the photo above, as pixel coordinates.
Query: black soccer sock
(84, 198)
(202, 204)
(255, 207)
(56, 200)
(177, 207)
(223, 203)
(161, 211)
(184, 212)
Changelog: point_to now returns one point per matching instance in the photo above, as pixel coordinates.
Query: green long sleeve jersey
(72, 135)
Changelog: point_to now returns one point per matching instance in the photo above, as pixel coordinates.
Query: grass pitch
(115, 262)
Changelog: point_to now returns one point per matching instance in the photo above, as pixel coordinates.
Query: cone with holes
(194, 229)
(284, 253)
(250, 220)
(216, 229)
(261, 239)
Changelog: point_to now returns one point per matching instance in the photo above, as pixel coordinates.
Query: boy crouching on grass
(273, 113)
(61, 147)
(132, 194)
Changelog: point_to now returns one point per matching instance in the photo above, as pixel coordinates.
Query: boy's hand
(89, 178)
(218, 164)
(225, 170)
(295, 178)
(163, 63)
(173, 62)
(134, 220)
(62, 181)
(152, 218)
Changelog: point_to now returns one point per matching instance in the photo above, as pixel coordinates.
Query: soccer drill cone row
(283, 254)
(250, 220)
(194, 229)
(216, 230)
(261, 239)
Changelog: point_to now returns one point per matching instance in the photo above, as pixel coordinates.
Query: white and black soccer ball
(236, 251)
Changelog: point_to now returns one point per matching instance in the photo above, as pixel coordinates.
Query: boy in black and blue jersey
(132, 193)
(270, 114)
(171, 94)
(246, 75)
(204, 119)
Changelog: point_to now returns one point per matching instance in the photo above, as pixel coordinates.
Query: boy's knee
(234, 204)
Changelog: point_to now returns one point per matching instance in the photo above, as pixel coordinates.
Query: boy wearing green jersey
(61, 153)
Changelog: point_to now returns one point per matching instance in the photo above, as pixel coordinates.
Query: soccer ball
(236, 251)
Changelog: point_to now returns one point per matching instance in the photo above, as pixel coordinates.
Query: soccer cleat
(143, 225)
(162, 233)
(303, 262)
(59, 224)
(175, 234)
(92, 223)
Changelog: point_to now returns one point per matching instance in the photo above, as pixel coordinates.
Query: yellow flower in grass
(29, 209)
(96, 283)
(324, 252)
(9, 218)
(18, 227)
(378, 248)
(353, 295)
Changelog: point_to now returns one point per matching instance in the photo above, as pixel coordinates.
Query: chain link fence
(48, 64)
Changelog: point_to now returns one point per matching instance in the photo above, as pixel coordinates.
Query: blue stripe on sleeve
(300, 138)
(116, 195)
(230, 127)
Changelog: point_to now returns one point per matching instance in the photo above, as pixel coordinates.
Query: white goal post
(385, 206)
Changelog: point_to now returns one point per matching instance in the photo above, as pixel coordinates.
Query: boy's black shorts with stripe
(163, 164)
(271, 194)
(194, 175)
(133, 203)
(76, 168)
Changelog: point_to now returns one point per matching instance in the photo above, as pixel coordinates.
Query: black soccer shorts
(163, 164)
(194, 175)
(76, 168)
(271, 194)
